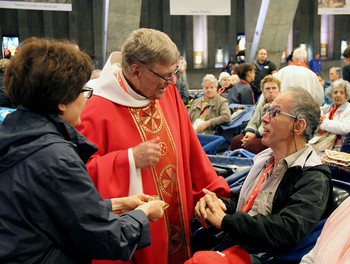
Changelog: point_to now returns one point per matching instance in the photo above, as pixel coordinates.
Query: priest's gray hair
(305, 107)
(148, 46)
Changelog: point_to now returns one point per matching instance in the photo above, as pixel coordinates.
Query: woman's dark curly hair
(243, 69)
(46, 73)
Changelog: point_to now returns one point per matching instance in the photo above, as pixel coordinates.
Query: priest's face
(155, 78)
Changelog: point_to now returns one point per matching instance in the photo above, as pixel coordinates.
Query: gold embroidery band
(151, 124)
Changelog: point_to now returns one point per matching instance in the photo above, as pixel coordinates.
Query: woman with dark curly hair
(51, 211)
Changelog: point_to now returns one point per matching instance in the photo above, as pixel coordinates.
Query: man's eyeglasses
(165, 79)
(273, 111)
(87, 92)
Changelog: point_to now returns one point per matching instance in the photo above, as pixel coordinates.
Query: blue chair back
(210, 143)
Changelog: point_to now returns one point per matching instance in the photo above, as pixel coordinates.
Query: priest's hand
(153, 210)
(146, 154)
(209, 203)
(126, 204)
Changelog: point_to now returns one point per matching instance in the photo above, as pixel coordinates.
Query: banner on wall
(333, 7)
(200, 7)
(53, 5)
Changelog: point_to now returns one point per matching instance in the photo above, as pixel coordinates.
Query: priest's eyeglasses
(87, 92)
(165, 79)
(273, 111)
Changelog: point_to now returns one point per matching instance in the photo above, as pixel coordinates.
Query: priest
(146, 141)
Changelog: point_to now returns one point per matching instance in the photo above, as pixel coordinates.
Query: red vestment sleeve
(104, 165)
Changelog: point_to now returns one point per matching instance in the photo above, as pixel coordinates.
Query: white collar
(108, 86)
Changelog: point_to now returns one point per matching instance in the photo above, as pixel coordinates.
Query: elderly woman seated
(224, 84)
(210, 110)
(335, 118)
(251, 138)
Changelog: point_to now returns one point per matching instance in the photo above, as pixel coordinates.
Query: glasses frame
(160, 76)
(273, 111)
(89, 94)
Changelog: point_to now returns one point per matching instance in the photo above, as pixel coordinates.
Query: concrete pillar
(123, 18)
(252, 8)
(273, 35)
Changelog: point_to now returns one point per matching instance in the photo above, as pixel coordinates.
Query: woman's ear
(62, 107)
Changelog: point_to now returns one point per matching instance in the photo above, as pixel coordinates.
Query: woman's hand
(153, 210)
(126, 204)
(322, 118)
(203, 126)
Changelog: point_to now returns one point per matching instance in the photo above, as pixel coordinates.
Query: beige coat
(218, 112)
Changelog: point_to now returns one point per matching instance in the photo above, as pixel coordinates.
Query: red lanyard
(250, 87)
(331, 115)
(221, 90)
(333, 110)
(203, 111)
(256, 190)
(121, 83)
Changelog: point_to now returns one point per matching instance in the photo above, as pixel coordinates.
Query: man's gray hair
(148, 46)
(336, 69)
(210, 77)
(304, 106)
(339, 83)
(299, 54)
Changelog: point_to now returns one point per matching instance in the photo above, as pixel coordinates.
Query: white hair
(223, 75)
(339, 83)
(299, 54)
(210, 77)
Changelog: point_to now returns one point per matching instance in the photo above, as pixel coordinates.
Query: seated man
(287, 191)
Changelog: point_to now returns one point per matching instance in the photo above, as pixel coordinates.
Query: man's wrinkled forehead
(283, 101)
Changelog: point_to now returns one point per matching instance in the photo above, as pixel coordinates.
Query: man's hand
(203, 126)
(215, 218)
(126, 204)
(146, 154)
(209, 208)
(248, 137)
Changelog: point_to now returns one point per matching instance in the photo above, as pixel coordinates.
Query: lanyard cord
(248, 205)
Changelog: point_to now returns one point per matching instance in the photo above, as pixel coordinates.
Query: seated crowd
(121, 178)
